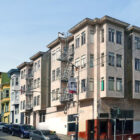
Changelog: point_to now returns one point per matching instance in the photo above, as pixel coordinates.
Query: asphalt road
(5, 136)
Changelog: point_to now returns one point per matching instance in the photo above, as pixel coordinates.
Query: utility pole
(77, 117)
(114, 128)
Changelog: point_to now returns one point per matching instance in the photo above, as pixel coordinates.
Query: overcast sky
(27, 26)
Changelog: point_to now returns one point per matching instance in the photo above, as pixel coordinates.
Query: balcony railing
(29, 75)
(29, 106)
(65, 96)
(29, 90)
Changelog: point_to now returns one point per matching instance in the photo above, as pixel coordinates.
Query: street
(5, 136)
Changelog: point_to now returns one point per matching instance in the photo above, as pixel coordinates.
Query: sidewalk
(65, 137)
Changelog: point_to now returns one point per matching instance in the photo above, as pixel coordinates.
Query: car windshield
(46, 132)
(28, 127)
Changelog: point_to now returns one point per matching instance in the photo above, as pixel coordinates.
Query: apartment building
(26, 94)
(5, 97)
(35, 88)
(41, 86)
(15, 91)
(106, 54)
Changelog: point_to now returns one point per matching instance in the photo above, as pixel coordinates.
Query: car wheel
(13, 133)
(21, 135)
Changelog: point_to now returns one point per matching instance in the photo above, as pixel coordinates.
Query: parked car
(22, 131)
(7, 128)
(43, 135)
(1, 125)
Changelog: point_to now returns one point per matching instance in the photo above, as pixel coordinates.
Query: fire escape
(29, 88)
(67, 71)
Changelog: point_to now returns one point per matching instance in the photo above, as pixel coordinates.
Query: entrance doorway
(34, 122)
(91, 129)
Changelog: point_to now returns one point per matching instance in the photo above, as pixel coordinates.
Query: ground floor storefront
(90, 128)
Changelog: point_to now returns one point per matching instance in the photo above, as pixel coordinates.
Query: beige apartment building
(26, 95)
(35, 88)
(106, 52)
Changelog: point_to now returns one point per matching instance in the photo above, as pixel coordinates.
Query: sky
(27, 26)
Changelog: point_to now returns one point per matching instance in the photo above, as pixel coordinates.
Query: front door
(34, 120)
(91, 129)
(12, 116)
(22, 118)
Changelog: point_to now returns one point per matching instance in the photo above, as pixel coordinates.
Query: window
(22, 89)
(16, 109)
(91, 36)
(137, 86)
(7, 107)
(91, 60)
(16, 95)
(57, 92)
(83, 38)
(35, 83)
(53, 75)
(36, 67)
(24, 104)
(118, 60)
(111, 83)
(12, 96)
(102, 84)
(111, 35)
(118, 37)
(7, 93)
(71, 122)
(137, 43)
(38, 100)
(137, 64)
(57, 53)
(24, 73)
(111, 59)
(22, 76)
(57, 73)
(121, 124)
(53, 56)
(35, 101)
(38, 83)
(16, 81)
(53, 95)
(38, 64)
(119, 84)
(13, 82)
(77, 62)
(42, 117)
(102, 35)
(77, 42)
(102, 59)
(83, 61)
(83, 85)
(21, 105)
(91, 85)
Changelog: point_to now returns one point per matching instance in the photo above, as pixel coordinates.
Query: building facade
(15, 91)
(35, 86)
(5, 98)
(106, 53)
(26, 95)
